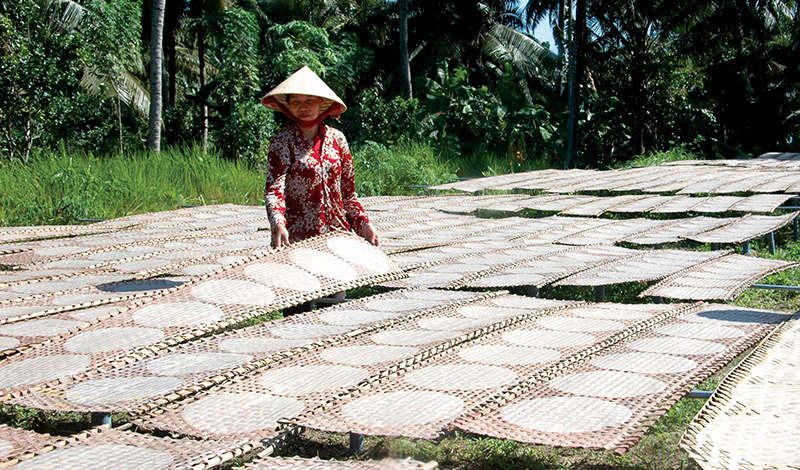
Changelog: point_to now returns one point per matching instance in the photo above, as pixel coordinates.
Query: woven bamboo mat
(422, 399)
(12, 235)
(295, 463)
(680, 229)
(721, 278)
(780, 184)
(678, 204)
(15, 442)
(614, 232)
(197, 365)
(558, 203)
(717, 204)
(559, 232)
(650, 266)
(548, 269)
(711, 183)
(754, 180)
(106, 291)
(603, 205)
(503, 203)
(757, 402)
(301, 383)
(102, 448)
(766, 203)
(644, 205)
(303, 271)
(457, 271)
(746, 228)
(609, 398)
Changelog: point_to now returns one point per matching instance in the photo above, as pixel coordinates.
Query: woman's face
(304, 107)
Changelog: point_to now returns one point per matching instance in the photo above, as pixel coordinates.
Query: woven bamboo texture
(197, 365)
(675, 232)
(614, 232)
(608, 398)
(546, 269)
(751, 420)
(424, 398)
(603, 205)
(718, 279)
(765, 203)
(295, 463)
(252, 406)
(744, 229)
(111, 448)
(687, 178)
(304, 271)
(650, 266)
(458, 271)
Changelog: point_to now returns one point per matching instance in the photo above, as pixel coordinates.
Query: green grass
(62, 187)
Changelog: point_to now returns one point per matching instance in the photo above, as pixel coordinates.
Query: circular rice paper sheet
(360, 253)
(259, 345)
(583, 325)
(676, 345)
(233, 291)
(112, 339)
(355, 317)
(80, 299)
(323, 264)
(607, 384)
(172, 314)
(93, 313)
(42, 369)
(305, 380)
(565, 414)
(5, 447)
(44, 327)
(646, 363)
(399, 305)
(8, 343)
(489, 312)
(608, 313)
(20, 310)
(508, 355)
(283, 276)
(177, 364)
(460, 377)
(402, 408)
(99, 457)
(303, 331)
(702, 332)
(366, 355)
(527, 303)
(548, 338)
(412, 337)
(452, 324)
(440, 295)
(232, 413)
(120, 390)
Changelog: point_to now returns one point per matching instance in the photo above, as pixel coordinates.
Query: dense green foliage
(720, 78)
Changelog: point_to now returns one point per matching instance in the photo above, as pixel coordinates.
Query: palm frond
(69, 13)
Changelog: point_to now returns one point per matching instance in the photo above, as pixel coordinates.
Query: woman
(310, 187)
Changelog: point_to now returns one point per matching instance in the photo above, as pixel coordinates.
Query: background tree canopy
(718, 77)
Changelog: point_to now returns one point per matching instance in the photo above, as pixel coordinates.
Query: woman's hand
(369, 234)
(280, 236)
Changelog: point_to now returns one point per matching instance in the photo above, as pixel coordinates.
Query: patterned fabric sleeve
(356, 215)
(278, 164)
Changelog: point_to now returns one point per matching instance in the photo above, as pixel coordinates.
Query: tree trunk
(576, 49)
(156, 82)
(201, 53)
(405, 64)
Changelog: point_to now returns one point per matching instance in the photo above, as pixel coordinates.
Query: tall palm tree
(156, 75)
(405, 65)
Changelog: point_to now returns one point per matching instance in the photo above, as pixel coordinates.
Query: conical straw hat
(304, 82)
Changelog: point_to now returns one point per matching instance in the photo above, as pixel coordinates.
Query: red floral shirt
(311, 186)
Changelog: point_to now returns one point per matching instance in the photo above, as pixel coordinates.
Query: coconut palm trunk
(156, 77)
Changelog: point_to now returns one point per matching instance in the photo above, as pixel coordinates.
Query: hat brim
(304, 82)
